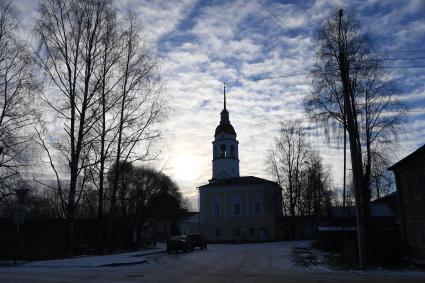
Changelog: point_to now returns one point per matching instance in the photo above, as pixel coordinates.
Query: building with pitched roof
(235, 208)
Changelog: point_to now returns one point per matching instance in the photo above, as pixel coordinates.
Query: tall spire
(224, 113)
(224, 96)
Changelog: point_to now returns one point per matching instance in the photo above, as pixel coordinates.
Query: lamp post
(199, 210)
(19, 216)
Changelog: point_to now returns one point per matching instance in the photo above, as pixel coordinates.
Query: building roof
(417, 153)
(384, 206)
(224, 128)
(245, 180)
(387, 198)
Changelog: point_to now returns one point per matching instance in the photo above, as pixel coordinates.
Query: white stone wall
(249, 224)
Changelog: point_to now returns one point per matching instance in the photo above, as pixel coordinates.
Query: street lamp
(19, 216)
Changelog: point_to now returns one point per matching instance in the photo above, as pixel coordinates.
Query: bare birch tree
(18, 90)
(70, 37)
(286, 162)
(140, 107)
(105, 130)
(299, 171)
(350, 88)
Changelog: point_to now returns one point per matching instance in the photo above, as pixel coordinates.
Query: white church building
(233, 207)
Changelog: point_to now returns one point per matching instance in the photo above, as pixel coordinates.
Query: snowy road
(265, 262)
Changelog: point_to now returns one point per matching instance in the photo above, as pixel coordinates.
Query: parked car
(198, 240)
(179, 243)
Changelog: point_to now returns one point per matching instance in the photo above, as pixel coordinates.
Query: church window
(216, 209)
(258, 206)
(232, 151)
(236, 206)
(223, 151)
(217, 232)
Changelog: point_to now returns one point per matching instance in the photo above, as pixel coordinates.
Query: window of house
(411, 233)
(415, 186)
(217, 232)
(422, 231)
(411, 187)
(405, 189)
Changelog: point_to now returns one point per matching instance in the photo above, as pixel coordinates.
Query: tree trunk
(355, 150)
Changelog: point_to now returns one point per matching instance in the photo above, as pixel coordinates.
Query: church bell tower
(225, 161)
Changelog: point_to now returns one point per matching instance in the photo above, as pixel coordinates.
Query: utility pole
(355, 145)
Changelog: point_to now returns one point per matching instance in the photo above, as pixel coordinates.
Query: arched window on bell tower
(223, 151)
(232, 151)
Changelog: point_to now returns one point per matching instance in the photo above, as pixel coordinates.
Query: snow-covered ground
(258, 262)
(90, 261)
(95, 261)
(313, 260)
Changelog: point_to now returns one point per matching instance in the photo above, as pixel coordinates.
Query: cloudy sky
(203, 44)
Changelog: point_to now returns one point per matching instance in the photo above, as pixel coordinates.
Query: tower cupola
(225, 147)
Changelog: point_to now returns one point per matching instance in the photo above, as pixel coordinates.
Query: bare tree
(381, 180)
(350, 89)
(140, 105)
(299, 171)
(70, 35)
(18, 90)
(316, 195)
(286, 162)
(105, 130)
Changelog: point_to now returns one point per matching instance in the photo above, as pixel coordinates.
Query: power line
(308, 73)
(402, 67)
(277, 77)
(276, 19)
(245, 126)
(399, 51)
(396, 59)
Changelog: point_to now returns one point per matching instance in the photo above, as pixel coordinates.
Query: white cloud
(204, 44)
